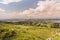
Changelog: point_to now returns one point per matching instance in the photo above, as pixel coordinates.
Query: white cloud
(2, 10)
(45, 9)
(9, 1)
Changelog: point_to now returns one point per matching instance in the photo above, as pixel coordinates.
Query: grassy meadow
(27, 30)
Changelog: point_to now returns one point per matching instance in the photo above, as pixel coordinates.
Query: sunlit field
(12, 31)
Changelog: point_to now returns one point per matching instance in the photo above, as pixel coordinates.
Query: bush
(9, 35)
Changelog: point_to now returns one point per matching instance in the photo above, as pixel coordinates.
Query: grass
(29, 32)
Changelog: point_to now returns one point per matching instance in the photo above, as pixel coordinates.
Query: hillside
(24, 31)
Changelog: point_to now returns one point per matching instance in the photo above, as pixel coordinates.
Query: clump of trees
(55, 25)
(36, 24)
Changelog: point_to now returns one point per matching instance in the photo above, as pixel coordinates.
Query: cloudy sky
(28, 9)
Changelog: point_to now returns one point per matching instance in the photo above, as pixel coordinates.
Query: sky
(29, 9)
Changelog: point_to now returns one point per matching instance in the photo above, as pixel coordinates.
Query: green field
(26, 32)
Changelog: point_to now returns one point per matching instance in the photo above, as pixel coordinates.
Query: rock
(57, 34)
(50, 39)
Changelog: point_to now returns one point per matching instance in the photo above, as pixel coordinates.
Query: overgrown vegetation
(29, 30)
